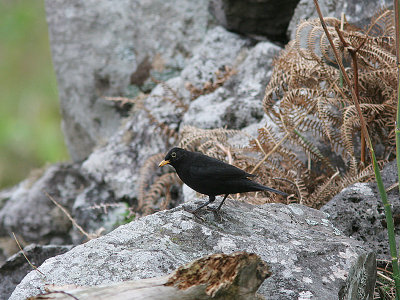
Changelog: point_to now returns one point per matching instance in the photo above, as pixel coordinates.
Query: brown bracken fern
(315, 112)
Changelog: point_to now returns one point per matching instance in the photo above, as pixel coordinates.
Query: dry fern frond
(172, 96)
(138, 103)
(324, 191)
(311, 107)
(160, 187)
(382, 24)
(365, 175)
(272, 148)
(167, 132)
(302, 191)
(146, 173)
(313, 152)
(205, 140)
(125, 100)
(152, 187)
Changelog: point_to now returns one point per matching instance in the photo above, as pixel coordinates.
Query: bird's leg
(217, 211)
(222, 202)
(210, 200)
(219, 206)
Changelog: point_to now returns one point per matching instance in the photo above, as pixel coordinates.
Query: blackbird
(211, 176)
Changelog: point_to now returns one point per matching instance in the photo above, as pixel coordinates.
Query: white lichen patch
(155, 219)
(305, 295)
(225, 245)
(312, 222)
(206, 231)
(285, 210)
(336, 231)
(185, 225)
(297, 269)
(287, 273)
(348, 254)
(325, 279)
(173, 229)
(307, 279)
(325, 222)
(296, 210)
(361, 188)
(338, 273)
(296, 243)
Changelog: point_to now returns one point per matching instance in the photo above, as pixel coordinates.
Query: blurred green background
(30, 133)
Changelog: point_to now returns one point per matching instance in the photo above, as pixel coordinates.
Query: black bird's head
(173, 157)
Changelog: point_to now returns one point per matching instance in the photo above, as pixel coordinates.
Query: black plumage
(211, 176)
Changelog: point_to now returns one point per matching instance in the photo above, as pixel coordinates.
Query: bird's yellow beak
(163, 163)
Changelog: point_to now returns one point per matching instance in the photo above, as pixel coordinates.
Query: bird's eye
(173, 154)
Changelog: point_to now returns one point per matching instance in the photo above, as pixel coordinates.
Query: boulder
(100, 48)
(358, 211)
(28, 210)
(16, 267)
(306, 254)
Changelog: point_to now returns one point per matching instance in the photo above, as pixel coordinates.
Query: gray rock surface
(360, 284)
(97, 46)
(358, 212)
(357, 12)
(28, 212)
(38, 219)
(16, 267)
(307, 255)
(238, 103)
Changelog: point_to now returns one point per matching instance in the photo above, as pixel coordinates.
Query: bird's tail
(265, 188)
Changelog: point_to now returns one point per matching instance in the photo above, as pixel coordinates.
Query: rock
(29, 212)
(117, 163)
(38, 219)
(16, 267)
(356, 12)
(358, 212)
(98, 45)
(360, 284)
(218, 49)
(306, 254)
(8, 247)
(238, 103)
(257, 18)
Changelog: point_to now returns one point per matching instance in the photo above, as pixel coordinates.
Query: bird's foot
(217, 213)
(194, 212)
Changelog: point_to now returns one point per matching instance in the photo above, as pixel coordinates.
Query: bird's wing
(214, 168)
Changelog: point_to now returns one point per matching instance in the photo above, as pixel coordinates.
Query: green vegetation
(30, 134)
(126, 217)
